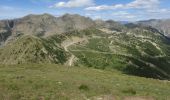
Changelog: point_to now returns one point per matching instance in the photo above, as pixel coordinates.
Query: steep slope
(161, 25)
(74, 22)
(5, 31)
(39, 25)
(31, 49)
(46, 24)
(42, 25)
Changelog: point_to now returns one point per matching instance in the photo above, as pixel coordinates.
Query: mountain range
(141, 48)
(161, 25)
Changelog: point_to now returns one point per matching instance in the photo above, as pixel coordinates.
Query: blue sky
(124, 10)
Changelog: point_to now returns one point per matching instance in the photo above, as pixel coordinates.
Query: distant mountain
(162, 25)
(46, 25)
(124, 22)
(110, 24)
(43, 25)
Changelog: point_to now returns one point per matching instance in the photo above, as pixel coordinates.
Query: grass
(31, 49)
(57, 82)
(121, 51)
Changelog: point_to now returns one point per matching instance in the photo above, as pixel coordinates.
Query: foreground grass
(55, 82)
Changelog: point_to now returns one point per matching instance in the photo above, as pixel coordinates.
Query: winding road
(67, 44)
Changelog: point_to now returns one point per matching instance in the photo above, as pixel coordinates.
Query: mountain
(46, 25)
(74, 40)
(43, 25)
(74, 22)
(124, 22)
(161, 25)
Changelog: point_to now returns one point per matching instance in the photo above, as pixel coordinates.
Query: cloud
(146, 4)
(137, 4)
(6, 8)
(73, 4)
(135, 10)
(158, 11)
(104, 7)
(123, 14)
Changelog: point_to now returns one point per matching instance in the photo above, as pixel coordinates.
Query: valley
(72, 57)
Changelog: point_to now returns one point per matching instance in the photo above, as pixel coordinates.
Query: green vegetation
(31, 49)
(51, 82)
(140, 53)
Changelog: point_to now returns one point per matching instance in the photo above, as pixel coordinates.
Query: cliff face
(6, 27)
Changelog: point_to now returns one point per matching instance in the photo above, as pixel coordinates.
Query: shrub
(129, 91)
(83, 87)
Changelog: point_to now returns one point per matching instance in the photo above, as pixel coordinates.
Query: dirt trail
(111, 97)
(71, 60)
(68, 43)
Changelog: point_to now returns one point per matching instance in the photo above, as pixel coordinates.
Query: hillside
(161, 25)
(31, 49)
(141, 52)
(51, 82)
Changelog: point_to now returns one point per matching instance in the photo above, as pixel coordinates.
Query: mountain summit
(43, 25)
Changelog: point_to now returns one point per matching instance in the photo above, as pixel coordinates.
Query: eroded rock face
(162, 25)
(5, 30)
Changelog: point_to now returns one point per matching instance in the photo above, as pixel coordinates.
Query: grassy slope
(55, 82)
(142, 53)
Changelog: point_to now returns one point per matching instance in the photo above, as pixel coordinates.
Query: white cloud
(123, 14)
(142, 9)
(93, 15)
(99, 8)
(74, 4)
(158, 11)
(146, 4)
(138, 4)
(118, 15)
